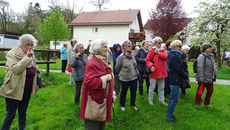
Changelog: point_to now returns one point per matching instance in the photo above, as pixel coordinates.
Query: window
(131, 30)
(95, 29)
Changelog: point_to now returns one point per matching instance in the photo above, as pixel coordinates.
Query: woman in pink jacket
(155, 60)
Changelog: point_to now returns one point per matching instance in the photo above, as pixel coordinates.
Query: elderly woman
(78, 63)
(176, 76)
(140, 56)
(155, 60)
(70, 53)
(126, 67)
(117, 51)
(206, 73)
(185, 49)
(20, 81)
(98, 84)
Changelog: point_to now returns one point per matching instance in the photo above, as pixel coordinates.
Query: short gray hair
(185, 47)
(157, 39)
(125, 43)
(77, 45)
(175, 43)
(27, 38)
(96, 46)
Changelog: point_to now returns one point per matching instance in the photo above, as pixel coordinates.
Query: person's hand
(78, 55)
(157, 51)
(30, 53)
(114, 98)
(108, 77)
(152, 69)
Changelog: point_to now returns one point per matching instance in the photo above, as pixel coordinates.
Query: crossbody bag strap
(106, 73)
(135, 67)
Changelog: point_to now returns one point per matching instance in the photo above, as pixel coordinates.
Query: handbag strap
(135, 67)
(106, 73)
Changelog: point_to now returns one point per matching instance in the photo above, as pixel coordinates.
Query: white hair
(163, 46)
(96, 46)
(185, 47)
(175, 43)
(157, 39)
(27, 38)
(125, 43)
(77, 45)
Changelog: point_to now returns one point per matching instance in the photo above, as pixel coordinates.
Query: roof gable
(106, 17)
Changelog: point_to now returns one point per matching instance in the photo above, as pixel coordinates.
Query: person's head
(79, 47)
(127, 46)
(206, 47)
(176, 45)
(157, 41)
(99, 47)
(168, 42)
(65, 45)
(163, 46)
(145, 44)
(27, 42)
(73, 42)
(117, 47)
(185, 49)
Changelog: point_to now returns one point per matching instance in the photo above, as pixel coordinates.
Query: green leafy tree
(212, 25)
(54, 28)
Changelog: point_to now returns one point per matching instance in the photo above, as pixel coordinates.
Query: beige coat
(15, 75)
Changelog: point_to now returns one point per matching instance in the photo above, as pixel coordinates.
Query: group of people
(161, 65)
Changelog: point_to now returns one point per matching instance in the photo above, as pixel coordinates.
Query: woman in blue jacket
(64, 56)
(176, 76)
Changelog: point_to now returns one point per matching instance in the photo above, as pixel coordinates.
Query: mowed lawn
(53, 108)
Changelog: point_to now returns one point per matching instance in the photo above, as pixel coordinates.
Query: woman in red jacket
(98, 76)
(155, 60)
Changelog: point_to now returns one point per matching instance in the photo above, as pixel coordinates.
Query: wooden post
(48, 65)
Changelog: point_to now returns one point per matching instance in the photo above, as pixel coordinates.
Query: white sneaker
(150, 103)
(163, 103)
(135, 108)
(123, 108)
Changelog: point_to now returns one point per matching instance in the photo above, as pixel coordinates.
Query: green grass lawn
(53, 108)
(56, 66)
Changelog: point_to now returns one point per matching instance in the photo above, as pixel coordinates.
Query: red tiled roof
(107, 17)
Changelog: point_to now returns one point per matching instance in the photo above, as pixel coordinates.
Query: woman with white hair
(20, 81)
(97, 86)
(185, 49)
(176, 76)
(78, 63)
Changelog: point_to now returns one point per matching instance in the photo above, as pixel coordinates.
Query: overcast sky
(144, 5)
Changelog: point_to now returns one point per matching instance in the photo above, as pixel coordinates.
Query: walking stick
(114, 120)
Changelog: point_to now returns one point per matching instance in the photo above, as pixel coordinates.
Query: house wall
(111, 33)
(8, 42)
(148, 35)
(135, 25)
(59, 44)
(1, 41)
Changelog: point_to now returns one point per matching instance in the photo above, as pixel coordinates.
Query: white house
(114, 26)
(59, 44)
(9, 39)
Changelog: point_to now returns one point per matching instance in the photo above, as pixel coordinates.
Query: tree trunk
(218, 50)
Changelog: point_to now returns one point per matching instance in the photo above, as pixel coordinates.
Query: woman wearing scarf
(126, 67)
(116, 53)
(176, 76)
(20, 81)
(98, 77)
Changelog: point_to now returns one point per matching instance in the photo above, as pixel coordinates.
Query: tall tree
(167, 18)
(99, 3)
(212, 25)
(54, 28)
(5, 14)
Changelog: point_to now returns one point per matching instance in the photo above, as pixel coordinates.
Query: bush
(2, 56)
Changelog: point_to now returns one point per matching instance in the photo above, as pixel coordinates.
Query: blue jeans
(141, 84)
(133, 88)
(173, 100)
(11, 108)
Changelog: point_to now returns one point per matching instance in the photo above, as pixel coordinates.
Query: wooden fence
(47, 62)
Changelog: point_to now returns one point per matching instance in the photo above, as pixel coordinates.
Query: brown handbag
(95, 111)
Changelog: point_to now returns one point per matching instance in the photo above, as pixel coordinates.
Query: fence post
(48, 65)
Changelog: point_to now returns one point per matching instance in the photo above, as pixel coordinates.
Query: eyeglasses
(29, 45)
(179, 46)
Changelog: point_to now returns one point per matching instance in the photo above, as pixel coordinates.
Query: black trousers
(63, 67)
(94, 125)
(11, 108)
(78, 91)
